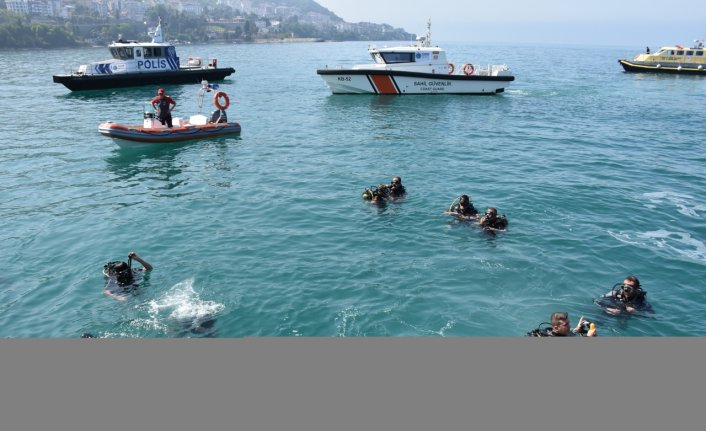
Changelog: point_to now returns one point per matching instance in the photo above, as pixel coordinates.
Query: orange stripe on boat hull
(384, 84)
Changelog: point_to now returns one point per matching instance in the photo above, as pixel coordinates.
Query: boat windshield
(398, 57)
(378, 58)
(122, 53)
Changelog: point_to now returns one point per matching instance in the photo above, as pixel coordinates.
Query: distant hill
(222, 21)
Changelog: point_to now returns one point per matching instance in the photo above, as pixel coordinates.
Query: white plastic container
(198, 120)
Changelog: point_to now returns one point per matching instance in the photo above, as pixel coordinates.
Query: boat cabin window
(121, 53)
(680, 52)
(690, 53)
(398, 57)
(699, 53)
(153, 52)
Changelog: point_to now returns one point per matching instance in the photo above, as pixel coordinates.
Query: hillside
(224, 21)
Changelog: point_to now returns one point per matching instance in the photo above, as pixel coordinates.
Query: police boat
(142, 63)
(670, 59)
(152, 131)
(416, 69)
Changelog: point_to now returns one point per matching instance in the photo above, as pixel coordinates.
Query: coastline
(289, 40)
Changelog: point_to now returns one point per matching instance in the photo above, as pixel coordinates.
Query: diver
(395, 188)
(384, 192)
(625, 297)
(491, 221)
(379, 194)
(560, 327)
(463, 207)
(218, 116)
(122, 278)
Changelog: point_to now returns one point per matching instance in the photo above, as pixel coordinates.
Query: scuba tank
(371, 192)
(541, 330)
(368, 193)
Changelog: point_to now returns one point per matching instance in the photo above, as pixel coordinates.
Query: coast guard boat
(670, 59)
(152, 131)
(416, 69)
(142, 63)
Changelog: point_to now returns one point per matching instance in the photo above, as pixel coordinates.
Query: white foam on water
(182, 305)
(343, 319)
(680, 245)
(449, 325)
(685, 204)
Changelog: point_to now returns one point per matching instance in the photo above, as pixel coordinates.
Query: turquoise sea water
(601, 174)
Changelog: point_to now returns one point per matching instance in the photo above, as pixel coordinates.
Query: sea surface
(601, 174)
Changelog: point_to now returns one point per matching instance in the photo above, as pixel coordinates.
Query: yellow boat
(670, 59)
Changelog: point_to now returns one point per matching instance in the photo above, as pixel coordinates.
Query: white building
(133, 9)
(18, 6)
(190, 7)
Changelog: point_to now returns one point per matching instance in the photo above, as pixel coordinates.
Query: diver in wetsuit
(491, 221)
(395, 189)
(121, 277)
(464, 207)
(626, 297)
(163, 104)
(219, 116)
(560, 327)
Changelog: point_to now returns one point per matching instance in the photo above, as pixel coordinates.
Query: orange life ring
(217, 100)
(468, 69)
(451, 68)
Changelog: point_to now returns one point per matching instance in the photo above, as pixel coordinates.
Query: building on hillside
(18, 6)
(134, 10)
(190, 8)
(102, 8)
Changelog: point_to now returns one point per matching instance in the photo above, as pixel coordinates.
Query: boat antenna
(205, 88)
(425, 41)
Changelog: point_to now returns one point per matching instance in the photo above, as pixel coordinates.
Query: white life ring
(217, 100)
(451, 68)
(468, 69)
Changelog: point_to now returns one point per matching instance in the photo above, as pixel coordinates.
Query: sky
(586, 22)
